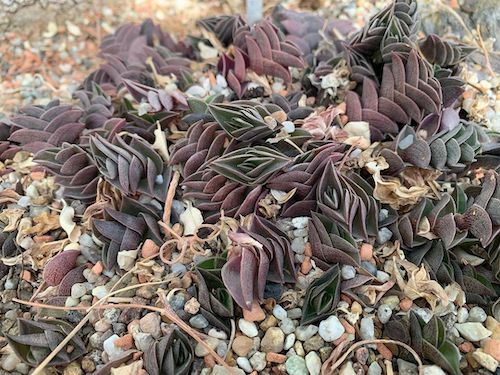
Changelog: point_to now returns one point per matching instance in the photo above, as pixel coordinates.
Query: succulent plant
(172, 354)
(131, 164)
(59, 266)
(321, 297)
(97, 105)
(428, 339)
(349, 202)
(216, 304)
(444, 53)
(408, 92)
(37, 339)
(224, 27)
(74, 170)
(258, 255)
(125, 229)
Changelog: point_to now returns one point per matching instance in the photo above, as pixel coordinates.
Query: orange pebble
(256, 314)
(149, 249)
(466, 347)
(275, 357)
(405, 304)
(384, 351)
(37, 175)
(492, 347)
(98, 268)
(43, 239)
(26, 276)
(366, 252)
(308, 249)
(125, 342)
(209, 361)
(306, 266)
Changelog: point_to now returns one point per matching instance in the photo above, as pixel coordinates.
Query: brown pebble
(209, 361)
(306, 266)
(125, 342)
(26, 275)
(405, 304)
(256, 314)
(466, 347)
(384, 351)
(308, 249)
(242, 345)
(275, 357)
(492, 347)
(366, 252)
(149, 249)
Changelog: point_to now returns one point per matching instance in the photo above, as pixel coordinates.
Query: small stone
(149, 248)
(313, 363)
(276, 358)
(10, 362)
(462, 315)
(492, 347)
(102, 325)
(248, 328)
(407, 368)
(369, 267)
(88, 365)
(296, 365)
(221, 349)
(348, 272)
(71, 302)
(367, 329)
(391, 301)
(125, 342)
(244, 364)
(300, 222)
(90, 276)
(382, 276)
(304, 333)
(269, 322)
(331, 329)
(289, 341)
(202, 351)
(314, 343)
(242, 345)
(425, 313)
(255, 314)
(374, 369)
(221, 370)
(366, 252)
(295, 313)
(347, 369)
(258, 361)
(100, 291)
(142, 340)
(433, 370)
(384, 313)
(477, 314)
(145, 291)
(361, 355)
(299, 349)
(150, 323)
(287, 326)
(298, 245)
(405, 304)
(273, 340)
(218, 334)
(110, 348)
(178, 268)
(485, 360)
(473, 331)
(198, 321)
(384, 235)
(279, 312)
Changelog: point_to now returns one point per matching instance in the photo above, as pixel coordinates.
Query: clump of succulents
(265, 152)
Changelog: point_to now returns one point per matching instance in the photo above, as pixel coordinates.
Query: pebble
(269, 322)
(242, 345)
(202, 351)
(313, 363)
(361, 355)
(472, 331)
(178, 267)
(198, 321)
(384, 235)
(289, 341)
(218, 334)
(150, 323)
(10, 362)
(485, 360)
(314, 343)
(244, 364)
(331, 329)
(374, 369)
(384, 313)
(221, 349)
(300, 222)
(298, 245)
(299, 349)
(296, 365)
(391, 301)
(221, 370)
(492, 347)
(347, 369)
(304, 333)
(248, 328)
(177, 301)
(367, 329)
(295, 313)
(369, 267)
(273, 340)
(110, 348)
(382, 276)
(348, 272)
(287, 326)
(407, 368)
(100, 291)
(424, 313)
(477, 314)
(71, 302)
(279, 312)
(258, 361)
(78, 290)
(102, 325)
(462, 315)
(433, 370)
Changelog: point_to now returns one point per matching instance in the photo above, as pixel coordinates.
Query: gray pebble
(198, 321)
(384, 313)
(287, 326)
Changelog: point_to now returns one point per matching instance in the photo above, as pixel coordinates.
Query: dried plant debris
(252, 196)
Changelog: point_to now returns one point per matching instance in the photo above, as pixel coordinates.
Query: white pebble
(258, 361)
(244, 364)
(71, 302)
(384, 313)
(289, 341)
(249, 329)
(298, 245)
(110, 348)
(313, 363)
(383, 276)
(279, 312)
(304, 333)
(331, 329)
(462, 315)
(367, 329)
(477, 314)
(99, 291)
(348, 272)
(218, 334)
(374, 369)
(300, 222)
(78, 290)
